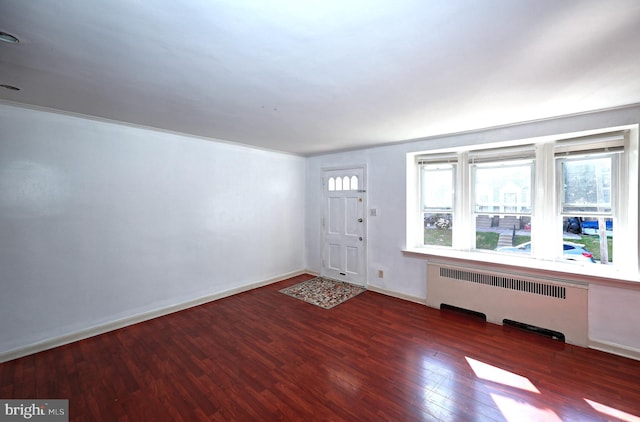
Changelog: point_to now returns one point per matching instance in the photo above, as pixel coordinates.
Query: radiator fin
(519, 284)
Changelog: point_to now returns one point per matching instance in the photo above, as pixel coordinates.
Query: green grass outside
(593, 244)
(484, 240)
(437, 237)
(489, 241)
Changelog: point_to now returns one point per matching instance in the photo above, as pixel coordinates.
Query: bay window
(570, 200)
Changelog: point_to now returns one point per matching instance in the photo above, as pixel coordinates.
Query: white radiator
(540, 302)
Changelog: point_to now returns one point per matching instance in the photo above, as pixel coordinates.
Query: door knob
(359, 220)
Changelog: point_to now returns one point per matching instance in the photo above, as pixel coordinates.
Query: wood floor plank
(262, 355)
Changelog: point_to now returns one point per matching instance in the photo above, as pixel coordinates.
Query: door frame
(364, 189)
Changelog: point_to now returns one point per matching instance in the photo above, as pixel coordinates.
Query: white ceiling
(308, 77)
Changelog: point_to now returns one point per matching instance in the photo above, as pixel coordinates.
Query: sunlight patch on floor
(515, 410)
(610, 411)
(494, 374)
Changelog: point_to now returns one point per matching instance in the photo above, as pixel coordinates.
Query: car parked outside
(572, 251)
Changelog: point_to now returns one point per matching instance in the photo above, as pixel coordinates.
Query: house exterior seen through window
(502, 201)
(437, 202)
(587, 202)
(559, 200)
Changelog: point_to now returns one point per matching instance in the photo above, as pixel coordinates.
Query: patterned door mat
(323, 292)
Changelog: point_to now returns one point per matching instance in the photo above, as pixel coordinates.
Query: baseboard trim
(397, 295)
(135, 319)
(616, 349)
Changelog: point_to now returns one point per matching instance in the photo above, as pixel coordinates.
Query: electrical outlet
(380, 274)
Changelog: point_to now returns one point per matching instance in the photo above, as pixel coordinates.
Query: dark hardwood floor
(262, 355)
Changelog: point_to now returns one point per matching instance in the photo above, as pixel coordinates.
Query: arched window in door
(332, 184)
(343, 183)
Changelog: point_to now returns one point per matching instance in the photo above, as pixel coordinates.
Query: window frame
(498, 160)
(545, 207)
(422, 167)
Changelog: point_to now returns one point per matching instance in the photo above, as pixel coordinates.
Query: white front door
(344, 225)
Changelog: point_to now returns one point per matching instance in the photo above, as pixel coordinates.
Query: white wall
(386, 178)
(405, 275)
(614, 318)
(101, 221)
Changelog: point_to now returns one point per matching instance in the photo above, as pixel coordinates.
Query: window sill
(575, 272)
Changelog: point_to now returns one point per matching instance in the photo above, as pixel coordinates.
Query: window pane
(437, 187)
(503, 187)
(345, 183)
(438, 228)
(332, 184)
(437, 192)
(586, 185)
(504, 233)
(354, 182)
(339, 183)
(583, 241)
